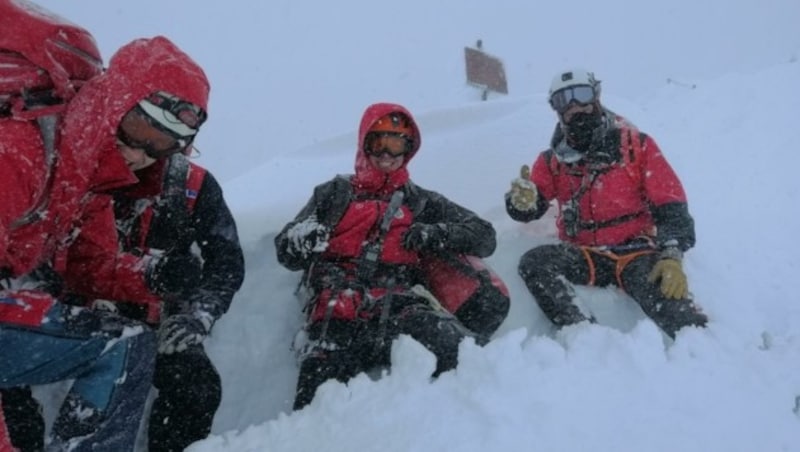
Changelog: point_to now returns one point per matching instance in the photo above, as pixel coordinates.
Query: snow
(289, 82)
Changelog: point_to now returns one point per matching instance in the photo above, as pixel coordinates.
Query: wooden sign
(485, 71)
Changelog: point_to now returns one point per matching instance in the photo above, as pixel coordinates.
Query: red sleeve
(661, 184)
(95, 266)
(542, 177)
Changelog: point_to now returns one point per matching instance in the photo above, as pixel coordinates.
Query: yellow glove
(673, 279)
(523, 191)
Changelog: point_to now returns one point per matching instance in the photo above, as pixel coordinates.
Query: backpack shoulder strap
(48, 127)
(631, 147)
(194, 180)
(182, 182)
(173, 197)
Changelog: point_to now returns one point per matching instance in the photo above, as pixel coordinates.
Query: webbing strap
(48, 125)
(630, 150)
(621, 260)
(367, 264)
(371, 252)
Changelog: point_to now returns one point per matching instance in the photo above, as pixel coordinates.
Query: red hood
(367, 177)
(88, 158)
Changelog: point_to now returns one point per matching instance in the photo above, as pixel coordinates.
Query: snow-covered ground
(289, 82)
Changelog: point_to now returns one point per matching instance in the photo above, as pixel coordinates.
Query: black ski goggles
(147, 146)
(580, 94)
(392, 144)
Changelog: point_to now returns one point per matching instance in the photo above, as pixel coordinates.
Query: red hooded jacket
(351, 206)
(75, 230)
(634, 194)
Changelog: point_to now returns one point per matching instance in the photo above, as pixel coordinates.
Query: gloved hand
(425, 237)
(307, 237)
(673, 279)
(180, 331)
(174, 273)
(523, 193)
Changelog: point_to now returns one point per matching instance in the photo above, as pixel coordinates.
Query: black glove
(174, 273)
(48, 280)
(180, 331)
(425, 237)
(308, 237)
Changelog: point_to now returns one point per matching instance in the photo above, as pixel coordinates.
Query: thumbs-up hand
(523, 193)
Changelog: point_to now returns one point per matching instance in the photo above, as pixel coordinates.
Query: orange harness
(621, 260)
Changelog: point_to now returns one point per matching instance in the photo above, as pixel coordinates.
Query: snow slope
(289, 82)
(616, 386)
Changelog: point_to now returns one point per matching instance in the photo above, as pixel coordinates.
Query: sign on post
(485, 71)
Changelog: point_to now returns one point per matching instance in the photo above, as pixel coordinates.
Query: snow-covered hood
(139, 68)
(367, 177)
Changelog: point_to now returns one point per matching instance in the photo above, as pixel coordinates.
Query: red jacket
(75, 231)
(352, 206)
(632, 192)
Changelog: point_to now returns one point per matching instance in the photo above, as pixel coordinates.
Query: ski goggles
(580, 94)
(389, 143)
(152, 151)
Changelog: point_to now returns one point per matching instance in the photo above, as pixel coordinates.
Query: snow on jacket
(156, 214)
(75, 230)
(351, 206)
(624, 190)
(136, 70)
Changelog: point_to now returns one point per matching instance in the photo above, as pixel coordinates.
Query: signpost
(485, 71)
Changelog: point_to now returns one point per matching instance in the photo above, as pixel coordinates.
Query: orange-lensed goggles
(390, 143)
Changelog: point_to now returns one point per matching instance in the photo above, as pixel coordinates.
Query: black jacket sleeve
(467, 233)
(217, 237)
(328, 202)
(674, 225)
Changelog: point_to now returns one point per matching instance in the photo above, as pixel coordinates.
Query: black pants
(189, 393)
(351, 347)
(24, 419)
(550, 270)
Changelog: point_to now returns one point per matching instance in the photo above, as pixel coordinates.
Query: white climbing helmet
(574, 77)
(574, 85)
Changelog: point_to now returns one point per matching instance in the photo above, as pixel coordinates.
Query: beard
(582, 129)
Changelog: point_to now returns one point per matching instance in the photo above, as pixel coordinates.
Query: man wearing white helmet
(623, 218)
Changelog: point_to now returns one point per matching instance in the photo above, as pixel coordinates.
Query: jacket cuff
(670, 250)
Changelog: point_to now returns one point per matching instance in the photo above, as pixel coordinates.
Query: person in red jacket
(360, 240)
(57, 229)
(174, 205)
(623, 218)
(178, 206)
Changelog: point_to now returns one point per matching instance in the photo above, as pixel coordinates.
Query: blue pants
(111, 360)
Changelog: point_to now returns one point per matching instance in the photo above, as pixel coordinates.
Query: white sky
(290, 80)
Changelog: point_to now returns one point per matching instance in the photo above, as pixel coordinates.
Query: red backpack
(41, 54)
(43, 62)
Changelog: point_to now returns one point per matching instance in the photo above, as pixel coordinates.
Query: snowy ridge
(615, 386)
